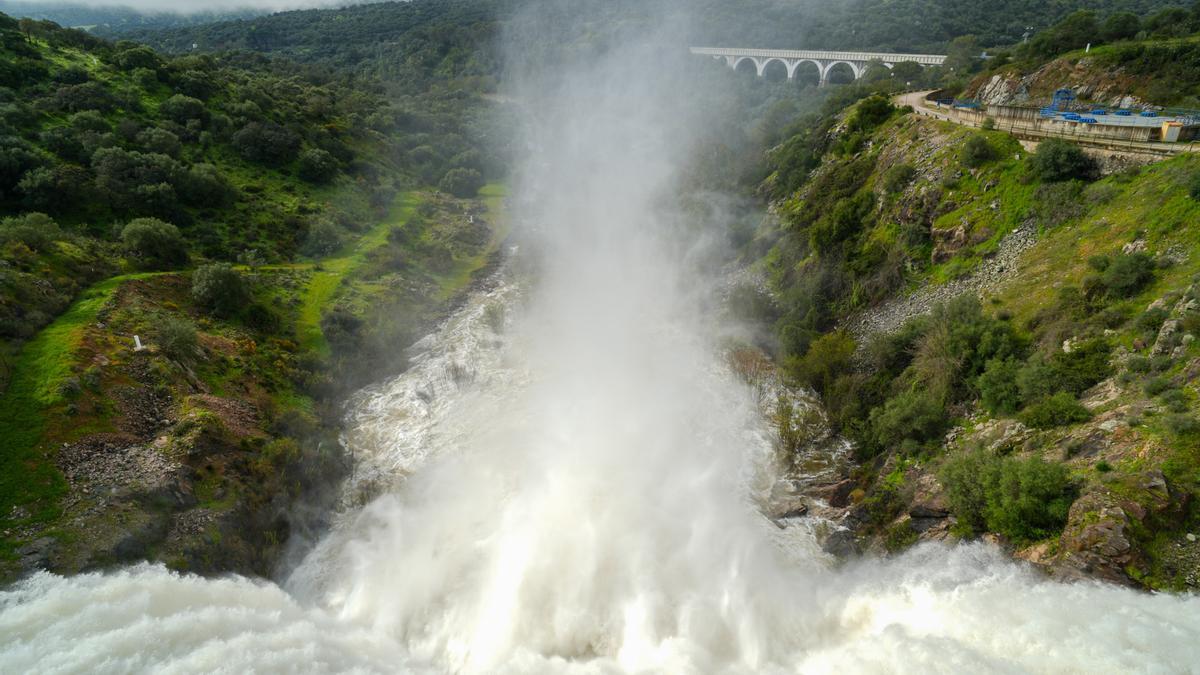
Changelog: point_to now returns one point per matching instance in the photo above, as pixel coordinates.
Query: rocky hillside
(191, 417)
(1131, 74)
(1044, 390)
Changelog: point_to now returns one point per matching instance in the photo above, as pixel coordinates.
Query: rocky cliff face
(1090, 83)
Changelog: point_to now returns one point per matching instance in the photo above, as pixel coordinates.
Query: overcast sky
(188, 6)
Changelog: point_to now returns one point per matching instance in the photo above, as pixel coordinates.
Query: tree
(1121, 26)
(1057, 160)
(220, 289)
(138, 57)
(962, 55)
(157, 243)
(908, 71)
(977, 151)
(180, 109)
(317, 166)
(461, 182)
(35, 230)
(267, 143)
(160, 141)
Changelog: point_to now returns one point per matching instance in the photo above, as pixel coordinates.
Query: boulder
(841, 544)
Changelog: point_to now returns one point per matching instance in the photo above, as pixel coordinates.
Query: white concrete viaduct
(791, 59)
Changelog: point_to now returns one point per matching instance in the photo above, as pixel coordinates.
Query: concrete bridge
(792, 59)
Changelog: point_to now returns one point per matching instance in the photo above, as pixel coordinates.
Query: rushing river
(565, 481)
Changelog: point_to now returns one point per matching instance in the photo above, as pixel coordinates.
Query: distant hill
(106, 20)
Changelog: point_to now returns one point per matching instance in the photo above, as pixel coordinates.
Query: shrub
(180, 109)
(1156, 385)
(317, 166)
(461, 182)
(1127, 274)
(267, 143)
(898, 177)
(1057, 203)
(827, 358)
(157, 243)
(1024, 500)
(1194, 186)
(177, 337)
(160, 141)
(977, 151)
(1151, 320)
(912, 415)
(1175, 400)
(1138, 364)
(1078, 370)
(1103, 466)
(35, 230)
(998, 387)
(1182, 425)
(1057, 160)
(1056, 411)
(322, 239)
(220, 289)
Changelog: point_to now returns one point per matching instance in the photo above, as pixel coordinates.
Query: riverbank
(191, 453)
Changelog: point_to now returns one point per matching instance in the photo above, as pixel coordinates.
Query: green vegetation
(1024, 500)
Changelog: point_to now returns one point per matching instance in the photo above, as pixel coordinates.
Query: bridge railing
(923, 59)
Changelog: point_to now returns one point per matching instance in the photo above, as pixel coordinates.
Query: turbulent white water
(560, 484)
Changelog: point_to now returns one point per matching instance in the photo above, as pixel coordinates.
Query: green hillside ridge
(1065, 398)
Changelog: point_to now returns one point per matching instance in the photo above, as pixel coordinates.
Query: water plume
(571, 489)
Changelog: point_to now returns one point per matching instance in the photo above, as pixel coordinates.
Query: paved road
(922, 107)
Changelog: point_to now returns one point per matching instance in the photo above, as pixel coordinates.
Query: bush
(156, 243)
(322, 239)
(1078, 370)
(461, 182)
(177, 337)
(1055, 204)
(898, 177)
(267, 143)
(1057, 160)
(1056, 411)
(977, 151)
(180, 109)
(1024, 500)
(998, 387)
(220, 289)
(827, 358)
(1127, 274)
(913, 415)
(1182, 425)
(1194, 186)
(1156, 385)
(35, 230)
(317, 166)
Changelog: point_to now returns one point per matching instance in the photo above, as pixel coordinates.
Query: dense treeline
(111, 152)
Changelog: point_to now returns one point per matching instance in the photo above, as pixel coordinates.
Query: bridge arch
(747, 65)
(831, 74)
(775, 70)
(806, 72)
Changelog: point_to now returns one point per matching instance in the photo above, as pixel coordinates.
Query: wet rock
(836, 495)
(841, 544)
(794, 508)
(1097, 542)
(933, 510)
(37, 554)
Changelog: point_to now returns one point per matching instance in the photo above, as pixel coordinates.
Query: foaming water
(565, 482)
